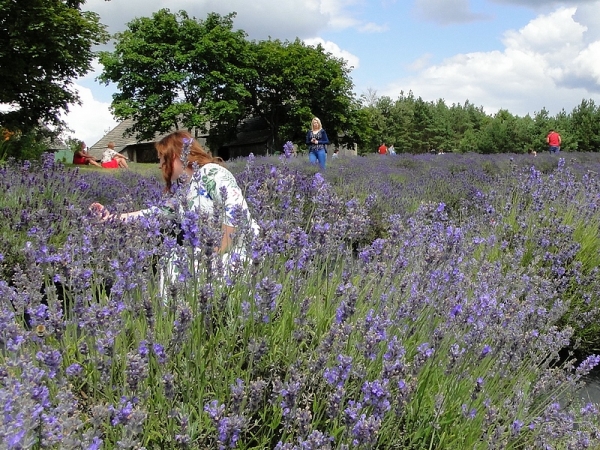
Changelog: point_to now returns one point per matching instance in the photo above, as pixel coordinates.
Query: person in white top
(111, 159)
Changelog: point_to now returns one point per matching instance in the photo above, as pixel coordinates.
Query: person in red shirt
(553, 139)
(82, 156)
(383, 149)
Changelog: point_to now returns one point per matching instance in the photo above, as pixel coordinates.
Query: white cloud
(260, 19)
(547, 64)
(421, 63)
(446, 12)
(552, 33)
(540, 3)
(588, 15)
(90, 121)
(335, 50)
(281, 19)
(372, 27)
(586, 67)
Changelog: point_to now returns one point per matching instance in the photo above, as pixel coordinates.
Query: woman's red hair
(171, 147)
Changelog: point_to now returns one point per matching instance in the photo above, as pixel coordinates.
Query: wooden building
(253, 136)
(137, 151)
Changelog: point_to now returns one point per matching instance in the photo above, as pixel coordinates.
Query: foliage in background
(46, 44)
(416, 126)
(286, 83)
(25, 146)
(173, 71)
(393, 302)
(295, 82)
(176, 71)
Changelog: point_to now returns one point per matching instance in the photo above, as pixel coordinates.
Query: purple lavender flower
(289, 392)
(348, 303)
(256, 394)
(316, 440)
(185, 152)
(15, 440)
(215, 410)
(265, 296)
(121, 414)
(485, 351)
(229, 430)
(288, 149)
(181, 326)
(143, 349)
(589, 409)
(516, 426)
(588, 364)
(238, 395)
(96, 444)
(136, 370)
(338, 375)
(168, 381)
(159, 352)
(52, 359)
(393, 358)
(364, 431)
(229, 427)
(74, 370)
(377, 395)
(468, 413)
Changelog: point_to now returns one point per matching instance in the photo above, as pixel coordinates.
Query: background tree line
(416, 126)
(173, 70)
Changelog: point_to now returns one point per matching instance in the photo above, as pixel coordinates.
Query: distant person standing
(317, 141)
(382, 149)
(391, 150)
(553, 139)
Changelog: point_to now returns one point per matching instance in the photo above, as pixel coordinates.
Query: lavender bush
(410, 302)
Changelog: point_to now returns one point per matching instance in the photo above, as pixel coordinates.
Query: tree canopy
(295, 82)
(172, 70)
(45, 45)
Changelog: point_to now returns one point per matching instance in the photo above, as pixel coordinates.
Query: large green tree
(44, 46)
(172, 70)
(295, 82)
(585, 128)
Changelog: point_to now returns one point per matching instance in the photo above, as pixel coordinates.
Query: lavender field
(409, 302)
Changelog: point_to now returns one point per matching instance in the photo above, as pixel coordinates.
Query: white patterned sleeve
(224, 179)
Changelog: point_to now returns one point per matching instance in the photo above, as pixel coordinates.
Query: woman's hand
(100, 212)
(98, 209)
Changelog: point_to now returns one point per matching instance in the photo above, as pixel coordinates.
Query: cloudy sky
(519, 55)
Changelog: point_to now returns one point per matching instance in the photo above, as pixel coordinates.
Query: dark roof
(55, 144)
(121, 140)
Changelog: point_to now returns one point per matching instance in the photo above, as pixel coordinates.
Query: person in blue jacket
(317, 141)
